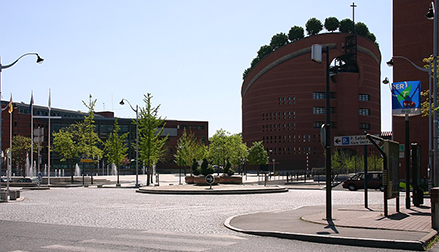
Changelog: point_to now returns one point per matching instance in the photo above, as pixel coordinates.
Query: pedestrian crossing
(149, 240)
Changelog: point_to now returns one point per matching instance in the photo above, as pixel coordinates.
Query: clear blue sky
(189, 54)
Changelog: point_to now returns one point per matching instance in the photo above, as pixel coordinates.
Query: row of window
(322, 111)
(279, 115)
(289, 139)
(291, 151)
(322, 96)
(278, 127)
(287, 100)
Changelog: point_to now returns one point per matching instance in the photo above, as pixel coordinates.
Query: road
(107, 219)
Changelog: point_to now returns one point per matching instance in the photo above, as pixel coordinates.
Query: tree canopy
(313, 26)
(257, 155)
(331, 24)
(296, 33)
(278, 40)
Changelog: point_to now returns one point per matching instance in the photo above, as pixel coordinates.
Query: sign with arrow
(351, 140)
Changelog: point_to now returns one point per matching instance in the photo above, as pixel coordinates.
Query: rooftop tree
(296, 33)
(313, 26)
(278, 40)
(331, 24)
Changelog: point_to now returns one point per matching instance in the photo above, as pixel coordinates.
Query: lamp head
(430, 14)
(386, 81)
(390, 62)
(121, 102)
(39, 59)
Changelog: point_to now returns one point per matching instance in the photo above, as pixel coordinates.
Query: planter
(231, 180)
(201, 180)
(189, 179)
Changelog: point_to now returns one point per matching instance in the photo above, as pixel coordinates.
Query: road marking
(79, 249)
(143, 245)
(211, 236)
(176, 240)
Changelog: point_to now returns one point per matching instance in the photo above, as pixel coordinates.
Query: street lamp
(407, 136)
(39, 61)
(137, 137)
(431, 15)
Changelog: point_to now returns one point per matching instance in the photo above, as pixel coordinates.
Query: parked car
(374, 181)
(28, 180)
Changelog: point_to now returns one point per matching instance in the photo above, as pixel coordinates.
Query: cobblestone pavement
(123, 208)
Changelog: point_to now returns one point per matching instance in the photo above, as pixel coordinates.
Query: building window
(364, 112)
(364, 97)
(322, 95)
(365, 126)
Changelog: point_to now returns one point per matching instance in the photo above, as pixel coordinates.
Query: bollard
(434, 194)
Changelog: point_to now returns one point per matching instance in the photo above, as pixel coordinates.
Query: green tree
(115, 147)
(21, 146)
(245, 73)
(313, 26)
(296, 33)
(257, 155)
(86, 133)
(331, 24)
(362, 29)
(346, 25)
(152, 143)
(189, 148)
(264, 51)
(278, 40)
(66, 147)
(225, 146)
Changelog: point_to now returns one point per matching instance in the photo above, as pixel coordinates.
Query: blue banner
(406, 98)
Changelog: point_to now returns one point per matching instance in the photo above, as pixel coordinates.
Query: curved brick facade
(283, 102)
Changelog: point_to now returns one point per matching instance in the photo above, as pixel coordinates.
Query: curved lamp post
(137, 137)
(407, 137)
(39, 60)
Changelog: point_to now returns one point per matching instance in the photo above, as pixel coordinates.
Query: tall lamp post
(431, 15)
(137, 137)
(407, 136)
(39, 61)
(316, 56)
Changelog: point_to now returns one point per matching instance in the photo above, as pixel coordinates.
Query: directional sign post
(210, 179)
(351, 140)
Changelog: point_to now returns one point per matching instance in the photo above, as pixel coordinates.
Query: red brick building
(413, 39)
(104, 121)
(283, 98)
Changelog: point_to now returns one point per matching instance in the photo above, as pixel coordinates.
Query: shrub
(206, 169)
(195, 169)
(230, 172)
(331, 24)
(296, 33)
(346, 25)
(313, 26)
(278, 40)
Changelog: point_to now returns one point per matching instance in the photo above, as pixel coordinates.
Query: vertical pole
(48, 140)
(407, 163)
(430, 170)
(366, 201)
(1, 151)
(435, 123)
(137, 146)
(32, 132)
(328, 142)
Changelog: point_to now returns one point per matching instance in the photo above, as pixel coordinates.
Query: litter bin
(418, 197)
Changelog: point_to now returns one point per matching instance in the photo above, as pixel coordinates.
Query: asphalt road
(98, 219)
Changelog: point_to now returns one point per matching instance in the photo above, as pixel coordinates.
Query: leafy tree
(296, 33)
(65, 145)
(115, 147)
(224, 146)
(428, 98)
(346, 25)
(257, 155)
(264, 51)
(152, 143)
(331, 24)
(245, 73)
(278, 40)
(189, 148)
(362, 29)
(21, 146)
(195, 169)
(87, 135)
(313, 26)
(254, 62)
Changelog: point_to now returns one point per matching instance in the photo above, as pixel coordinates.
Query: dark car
(374, 181)
(28, 180)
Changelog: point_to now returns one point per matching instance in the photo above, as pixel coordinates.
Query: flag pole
(48, 145)
(8, 176)
(32, 131)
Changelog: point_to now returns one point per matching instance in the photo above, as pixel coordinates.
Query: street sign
(406, 98)
(210, 179)
(351, 140)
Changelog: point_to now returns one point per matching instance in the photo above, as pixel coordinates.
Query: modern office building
(283, 98)
(104, 121)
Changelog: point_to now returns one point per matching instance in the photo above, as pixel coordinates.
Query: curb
(340, 240)
(213, 191)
